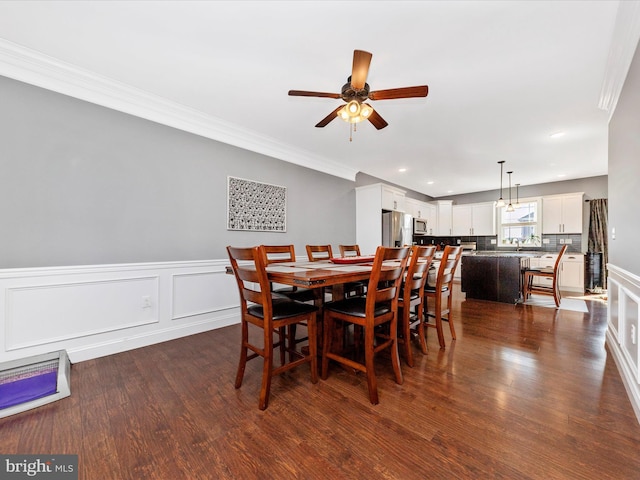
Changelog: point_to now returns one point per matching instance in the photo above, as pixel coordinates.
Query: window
(521, 227)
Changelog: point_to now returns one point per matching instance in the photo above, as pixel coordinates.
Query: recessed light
(402, 169)
(560, 175)
(430, 183)
(557, 135)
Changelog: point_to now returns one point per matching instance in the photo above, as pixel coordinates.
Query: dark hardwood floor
(525, 392)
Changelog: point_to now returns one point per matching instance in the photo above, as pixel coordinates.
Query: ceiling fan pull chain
(351, 132)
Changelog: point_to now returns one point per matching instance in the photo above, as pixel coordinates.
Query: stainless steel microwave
(420, 226)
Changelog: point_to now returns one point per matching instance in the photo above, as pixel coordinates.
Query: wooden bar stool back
(410, 308)
(441, 294)
(530, 274)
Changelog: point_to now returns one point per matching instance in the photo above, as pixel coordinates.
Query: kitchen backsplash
(484, 243)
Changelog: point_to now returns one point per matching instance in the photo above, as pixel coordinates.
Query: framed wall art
(256, 206)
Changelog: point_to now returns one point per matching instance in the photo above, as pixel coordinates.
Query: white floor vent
(32, 382)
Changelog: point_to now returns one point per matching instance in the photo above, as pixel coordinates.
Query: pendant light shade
(510, 206)
(500, 200)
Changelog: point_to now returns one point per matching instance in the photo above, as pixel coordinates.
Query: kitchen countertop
(507, 253)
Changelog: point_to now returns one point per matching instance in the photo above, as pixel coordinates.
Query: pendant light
(517, 196)
(500, 200)
(510, 206)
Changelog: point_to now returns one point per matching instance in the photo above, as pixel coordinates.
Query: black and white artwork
(256, 206)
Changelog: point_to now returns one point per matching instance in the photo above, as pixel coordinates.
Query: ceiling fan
(356, 91)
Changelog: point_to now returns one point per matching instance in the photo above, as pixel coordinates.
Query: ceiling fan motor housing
(349, 93)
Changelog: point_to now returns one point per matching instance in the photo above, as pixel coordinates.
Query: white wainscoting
(97, 310)
(623, 289)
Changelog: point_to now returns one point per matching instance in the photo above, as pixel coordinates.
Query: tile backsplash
(484, 243)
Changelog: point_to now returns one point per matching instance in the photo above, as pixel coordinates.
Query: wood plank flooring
(524, 393)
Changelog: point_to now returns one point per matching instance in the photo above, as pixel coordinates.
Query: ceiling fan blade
(394, 93)
(377, 120)
(360, 70)
(325, 121)
(304, 93)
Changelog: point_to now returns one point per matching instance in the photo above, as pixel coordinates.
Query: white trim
(35, 68)
(624, 42)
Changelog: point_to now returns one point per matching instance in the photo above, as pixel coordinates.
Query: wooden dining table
(319, 274)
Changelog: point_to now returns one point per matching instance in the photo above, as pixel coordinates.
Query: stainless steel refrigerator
(397, 229)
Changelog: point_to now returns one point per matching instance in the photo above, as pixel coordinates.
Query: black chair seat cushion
(299, 294)
(283, 308)
(414, 294)
(432, 289)
(356, 307)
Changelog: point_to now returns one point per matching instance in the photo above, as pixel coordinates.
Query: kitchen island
(494, 276)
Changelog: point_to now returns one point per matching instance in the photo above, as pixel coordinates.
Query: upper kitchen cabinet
(417, 209)
(476, 219)
(444, 217)
(392, 198)
(562, 213)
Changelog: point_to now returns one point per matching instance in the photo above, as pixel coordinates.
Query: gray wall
(81, 184)
(624, 174)
(593, 187)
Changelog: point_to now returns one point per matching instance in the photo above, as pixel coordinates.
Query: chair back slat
(278, 253)
(319, 252)
(418, 267)
(448, 263)
(248, 279)
(349, 250)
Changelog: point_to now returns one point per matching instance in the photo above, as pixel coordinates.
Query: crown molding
(624, 42)
(35, 68)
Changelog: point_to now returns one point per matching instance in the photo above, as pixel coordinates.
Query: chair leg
(282, 336)
(372, 384)
(327, 337)
(421, 330)
(267, 370)
(556, 294)
(395, 356)
(406, 333)
(312, 332)
(449, 318)
(243, 355)
(438, 318)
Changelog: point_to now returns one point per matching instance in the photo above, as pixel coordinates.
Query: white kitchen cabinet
(431, 217)
(370, 201)
(416, 208)
(562, 213)
(474, 219)
(572, 272)
(392, 198)
(444, 217)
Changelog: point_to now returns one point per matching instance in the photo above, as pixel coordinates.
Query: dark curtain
(598, 233)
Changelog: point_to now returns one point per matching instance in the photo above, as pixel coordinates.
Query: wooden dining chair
(316, 253)
(258, 307)
(410, 302)
(282, 254)
(379, 307)
(353, 288)
(551, 274)
(440, 295)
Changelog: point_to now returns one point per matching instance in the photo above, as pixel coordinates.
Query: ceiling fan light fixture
(355, 112)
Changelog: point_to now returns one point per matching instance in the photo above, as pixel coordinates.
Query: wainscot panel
(622, 332)
(97, 310)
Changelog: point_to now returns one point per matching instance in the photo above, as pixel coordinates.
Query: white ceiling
(503, 76)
